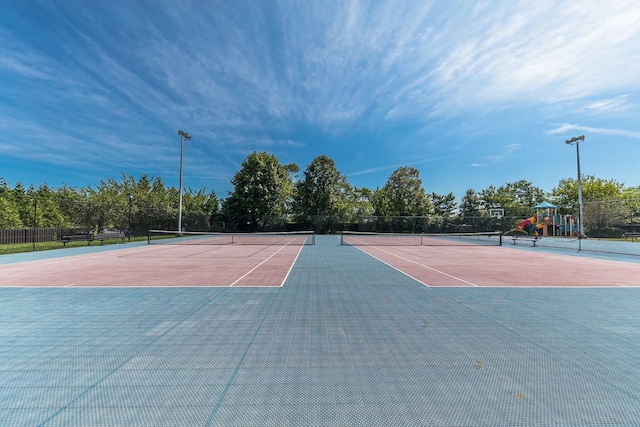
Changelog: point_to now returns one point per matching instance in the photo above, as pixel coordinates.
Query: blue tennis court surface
(348, 341)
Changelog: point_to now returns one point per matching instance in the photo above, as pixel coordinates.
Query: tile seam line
(551, 352)
(114, 370)
(225, 391)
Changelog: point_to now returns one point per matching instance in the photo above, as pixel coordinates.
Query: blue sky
(471, 93)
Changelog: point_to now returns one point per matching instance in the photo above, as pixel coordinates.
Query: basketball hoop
(496, 213)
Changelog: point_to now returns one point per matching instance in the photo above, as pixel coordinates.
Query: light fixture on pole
(183, 137)
(576, 141)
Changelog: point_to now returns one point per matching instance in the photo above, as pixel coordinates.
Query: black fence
(11, 236)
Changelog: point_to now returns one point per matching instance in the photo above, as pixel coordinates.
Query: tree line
(125, 203)
(270, 195)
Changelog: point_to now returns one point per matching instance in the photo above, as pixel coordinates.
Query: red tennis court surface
(502, 266)
(164, 265)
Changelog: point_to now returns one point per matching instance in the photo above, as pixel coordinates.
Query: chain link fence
(28, 219)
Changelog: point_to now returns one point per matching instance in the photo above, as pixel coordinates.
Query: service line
(263, 261)
(421, 265)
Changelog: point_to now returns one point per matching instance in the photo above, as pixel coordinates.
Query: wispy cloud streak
(244, 76)
(565, 128)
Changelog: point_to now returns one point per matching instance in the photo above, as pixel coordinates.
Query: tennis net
(359, 238)
(164, 237)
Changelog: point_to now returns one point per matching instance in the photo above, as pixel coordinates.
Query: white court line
(265, 260)
(389, 265)
(29, 264)
(291, 267)
(21, 265)
(423, 265)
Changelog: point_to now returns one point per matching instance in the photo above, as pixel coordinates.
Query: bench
(526, 238)
(85, 237)
(90, 237)
(110, 235)
(632, 235)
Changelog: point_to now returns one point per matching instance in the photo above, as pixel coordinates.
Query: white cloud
(243, 78)
(332, 65)
(546, 53)
(615, 103)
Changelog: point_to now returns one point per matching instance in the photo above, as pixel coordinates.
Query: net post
(500, 238)
(342, 238)
(148, 237)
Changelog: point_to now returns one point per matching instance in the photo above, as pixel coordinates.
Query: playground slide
(529, 225)
(521, 225)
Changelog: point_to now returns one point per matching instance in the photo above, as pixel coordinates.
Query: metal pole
(576, 141)
(183, 136)
(35, 221)
(180, 188)
(130, 205)
(580, 192)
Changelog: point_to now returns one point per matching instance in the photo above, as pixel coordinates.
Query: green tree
(525, 194)
(108, 204)
(321, 191)
(157, 204)
(261, 187)
(48, 212)
(9, 215)
(358, 203)
(73, 205)
(154, 205)
(5, 191)
(565, 195)
(470, 204)
(443, 204)
(494, 197)
(603, 205)
(292, 170)
(200, 209)
(402, 195)
(23, 201)
(517, 198)
(631, 198)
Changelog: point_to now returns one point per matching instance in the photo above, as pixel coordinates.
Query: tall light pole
(183, 137)
(576, 141)
(130, 206)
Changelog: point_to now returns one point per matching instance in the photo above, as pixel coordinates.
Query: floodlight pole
(130, 206)
(183, 136)
(576, 141)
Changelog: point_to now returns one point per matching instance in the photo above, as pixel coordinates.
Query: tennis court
(351, 336)
(190, 260)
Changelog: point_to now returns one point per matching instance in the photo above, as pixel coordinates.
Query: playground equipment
(546, 222)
